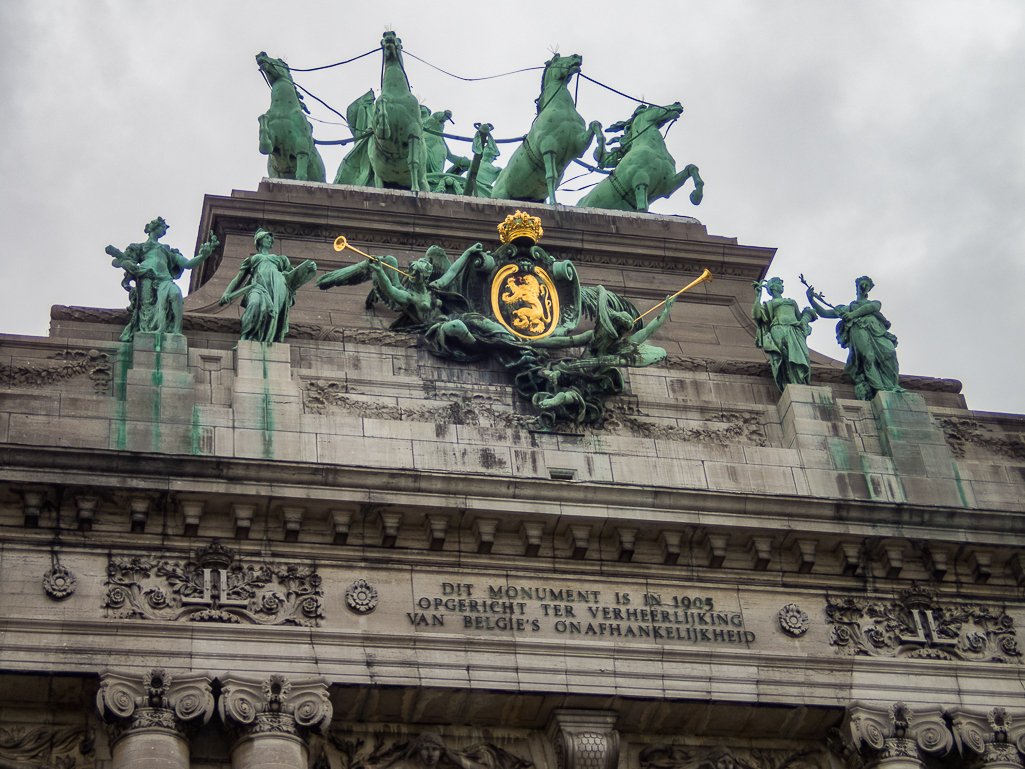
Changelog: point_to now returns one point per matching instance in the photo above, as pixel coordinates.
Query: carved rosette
(584, 739)
(59, 582)
(155, 700)
(994, 736)
(894, 736)
(793, 621)
(276, 705)
(361, 597)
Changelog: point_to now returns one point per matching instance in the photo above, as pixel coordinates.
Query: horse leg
(690, 172)
(641, 193)
(414, 161)
(549, 175)
(302, 165)
(266, 145)
(599, 151)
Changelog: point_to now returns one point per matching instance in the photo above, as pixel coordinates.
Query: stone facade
(342, 552)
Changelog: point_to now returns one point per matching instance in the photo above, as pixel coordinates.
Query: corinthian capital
(876, 734)
(995, 734)
(584, 739)
(154, 700)
(279, 704)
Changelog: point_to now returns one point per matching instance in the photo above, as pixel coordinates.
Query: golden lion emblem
(534, 313)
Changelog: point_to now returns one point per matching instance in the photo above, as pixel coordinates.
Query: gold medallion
(525, 303)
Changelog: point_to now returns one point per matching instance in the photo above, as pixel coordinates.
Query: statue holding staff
(864, 332)
(783, 330)
(267, 284)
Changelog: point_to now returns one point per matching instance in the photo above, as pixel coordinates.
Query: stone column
(270, 719)
(893, 737)
(584, 739)
(150, 715)
(993, 738)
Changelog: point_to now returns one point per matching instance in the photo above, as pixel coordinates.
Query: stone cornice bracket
(893, 737)
(995, 735)
(276, 705)
(584, 739)
(154, 701)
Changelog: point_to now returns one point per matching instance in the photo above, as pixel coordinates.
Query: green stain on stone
(267, 416)
(960, 488)
(196, 426)
(838, 451)
(124, 362)
(158, 379)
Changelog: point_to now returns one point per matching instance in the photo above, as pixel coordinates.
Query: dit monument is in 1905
(428, 470)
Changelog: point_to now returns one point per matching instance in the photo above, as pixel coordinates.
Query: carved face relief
(430, 754)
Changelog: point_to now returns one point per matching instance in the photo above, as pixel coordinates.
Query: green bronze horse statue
(643, 169)
(394, 141)
(286, 136)
(557, 137)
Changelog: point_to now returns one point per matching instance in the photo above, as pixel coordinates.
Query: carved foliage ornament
(60, 747)
(662, 756)
(427, 751)
(917, 625)
(213, 587)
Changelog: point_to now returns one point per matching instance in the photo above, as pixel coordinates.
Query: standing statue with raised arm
(267, 284)
(151, 269)
(783, 330)
(864, 332)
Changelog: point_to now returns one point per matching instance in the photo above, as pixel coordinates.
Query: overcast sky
(885, 138)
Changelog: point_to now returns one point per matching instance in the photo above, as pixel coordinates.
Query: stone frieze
(919, 626)
(215, 586)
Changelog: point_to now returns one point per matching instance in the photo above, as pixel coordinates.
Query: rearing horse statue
(557, 137)
(286, 136)
(643, 169)
(394, 141)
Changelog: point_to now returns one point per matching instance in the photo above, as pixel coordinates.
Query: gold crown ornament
(520, 225)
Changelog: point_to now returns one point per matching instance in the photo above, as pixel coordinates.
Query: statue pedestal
(267, 404)
(155, 393)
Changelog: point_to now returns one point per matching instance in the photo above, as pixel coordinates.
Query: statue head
(261, 234)
(421, 270)
(427, 749)
(864, 284)
(158, 226)
(774, 286)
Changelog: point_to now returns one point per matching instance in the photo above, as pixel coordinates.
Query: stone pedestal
(149, 717)
(269, 719)
(267, 403)
(155, 395)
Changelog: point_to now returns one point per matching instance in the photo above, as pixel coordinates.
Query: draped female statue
(267, 284)
(783, 331)
(864, 332)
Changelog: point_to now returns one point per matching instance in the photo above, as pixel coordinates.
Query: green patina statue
(482, 171)
(438, 152)
(286, 136)
(267, 284)
(557, 137)
(864, 332)
(643, 169)
(783, 330)
(155, 301)
(389, 149)
(516, 305)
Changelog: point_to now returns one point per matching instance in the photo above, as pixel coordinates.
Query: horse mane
(544, 74)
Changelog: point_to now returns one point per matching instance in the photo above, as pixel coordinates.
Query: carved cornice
(584, 739)
(274, 705)
(154, 700)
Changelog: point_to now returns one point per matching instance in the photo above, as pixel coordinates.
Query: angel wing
(589, 299)
(358, 273)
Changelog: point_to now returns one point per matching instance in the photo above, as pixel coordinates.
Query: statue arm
(824, 312)
(442, 283)
(398, 295)
(641, 336)
(204, 251)
(868, 308)
(558, 342)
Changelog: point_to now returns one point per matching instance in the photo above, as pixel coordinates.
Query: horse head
(274, 69)
(558, 71)
(391, 45)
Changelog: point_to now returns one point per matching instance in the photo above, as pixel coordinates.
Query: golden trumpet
(705, 277)
(341, 244)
